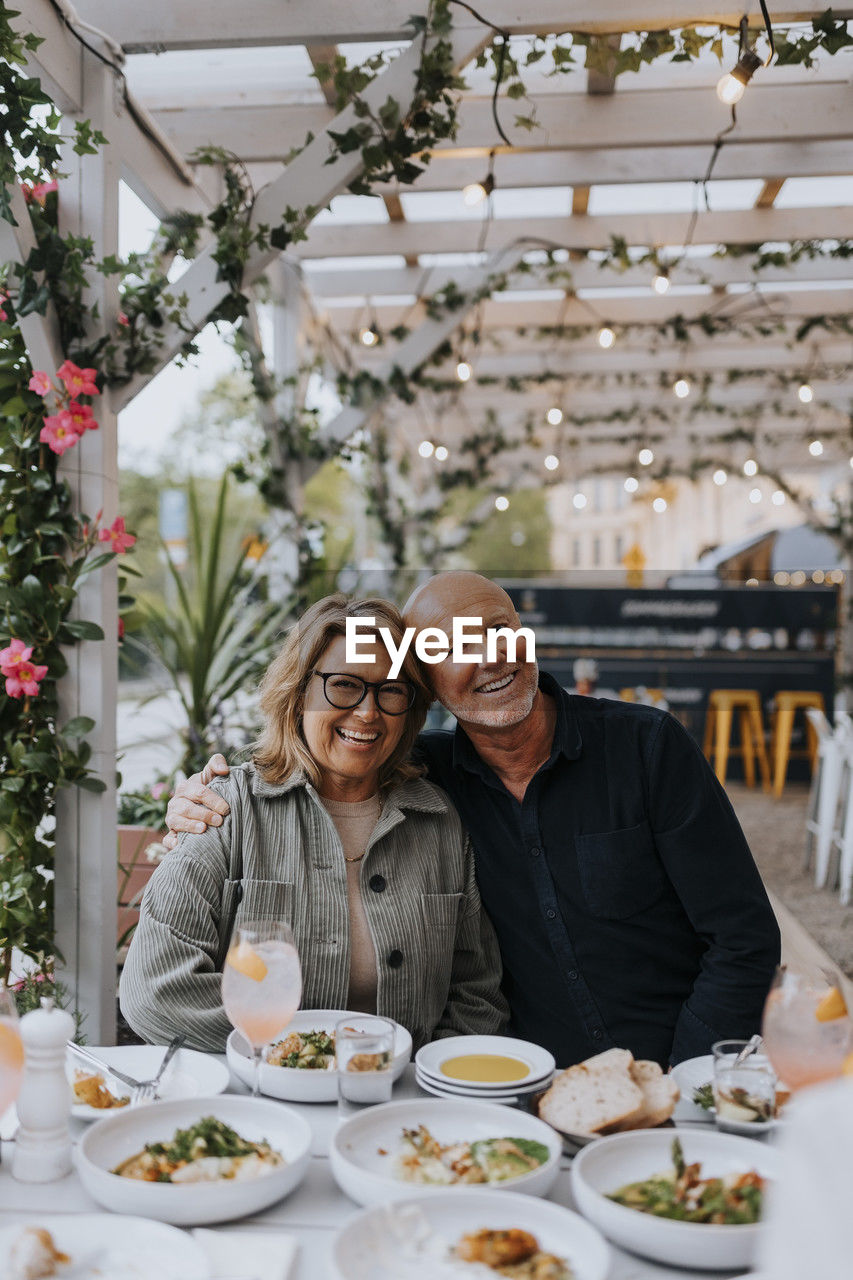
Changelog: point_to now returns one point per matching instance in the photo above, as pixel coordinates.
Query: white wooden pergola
(163, 78)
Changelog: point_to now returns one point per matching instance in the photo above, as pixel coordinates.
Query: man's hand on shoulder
(194, 807)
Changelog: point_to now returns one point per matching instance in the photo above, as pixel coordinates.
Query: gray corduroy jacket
(278, 854)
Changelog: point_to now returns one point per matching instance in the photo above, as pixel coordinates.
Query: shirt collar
(567, 733)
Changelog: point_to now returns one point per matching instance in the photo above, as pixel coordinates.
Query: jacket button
(551, 914)
(377, 883)
(395, 958)
(597, 1033)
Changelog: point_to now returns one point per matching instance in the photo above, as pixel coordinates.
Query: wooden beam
(40, 333)
(580, 201)
(309, 181)
(388, 282)
(170, 24)
(416, 349)
(630, 118)
(58, 61)
(769, 192)
(650, 230)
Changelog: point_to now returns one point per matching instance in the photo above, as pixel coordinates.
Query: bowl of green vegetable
(687, 1197)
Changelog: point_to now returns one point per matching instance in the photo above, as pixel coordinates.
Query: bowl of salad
(687, 1197)
(301, 1066)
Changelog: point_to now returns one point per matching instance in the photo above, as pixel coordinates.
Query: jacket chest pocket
(441, 910)
(620, 872)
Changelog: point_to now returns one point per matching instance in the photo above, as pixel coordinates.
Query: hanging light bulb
(632, 484)
(645, 457)
(476, 192)
(681, 388)
(661, 282)
(501, 503)
(463, 371)
(755, 495)
(815, 448)
(554, 416)
(552, 462)
(805, 393)
(441, 453)
(731, 86)
(579, 501)
(750, 467)
(368, 336)
(659, 505)
(606, 336)
(719, 477)
(426, 448)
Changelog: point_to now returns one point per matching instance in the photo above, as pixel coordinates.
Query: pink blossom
(4, 315)
(58, 432)
(40, 383)
(116, 536)
(123, 320)
(81, 417)
(121, 628)
(25, 680)
(78, 382)
(11, 658)
(39, 191)
(157, 790)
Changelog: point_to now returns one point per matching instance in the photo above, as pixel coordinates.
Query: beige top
(354, 822)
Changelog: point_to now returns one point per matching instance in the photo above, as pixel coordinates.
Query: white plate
(107, 1245)
(411, 1238)
(605, 1166)
(364, 1148)
(539, 1061)
(472, 1091)
(120, 1135)
(296, 1084)
(437, 1092)
(190, 1073)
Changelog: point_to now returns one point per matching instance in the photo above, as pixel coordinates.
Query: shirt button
(551, 914)
(395, 958)
(377, 883)
(573, 974)
(597, 1033)
(535, 851)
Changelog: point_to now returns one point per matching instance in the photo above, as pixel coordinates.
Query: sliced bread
(593, 1095)
(660, 1094)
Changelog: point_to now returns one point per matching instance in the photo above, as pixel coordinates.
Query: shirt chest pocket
(620, 872)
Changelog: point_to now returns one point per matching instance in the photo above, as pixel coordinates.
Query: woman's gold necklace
(358, 857)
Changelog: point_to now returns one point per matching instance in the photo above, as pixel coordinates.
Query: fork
(146, 1090)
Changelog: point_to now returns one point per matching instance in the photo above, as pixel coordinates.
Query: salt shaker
(43, 1141)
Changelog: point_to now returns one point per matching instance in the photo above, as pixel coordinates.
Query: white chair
(826, 790)
(844, 838)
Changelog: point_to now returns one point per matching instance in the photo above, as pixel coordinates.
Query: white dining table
(312, 1214)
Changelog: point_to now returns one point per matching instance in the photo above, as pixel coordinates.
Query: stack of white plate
(491, 1068)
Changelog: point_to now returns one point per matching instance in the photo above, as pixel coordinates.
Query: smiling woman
(332, 828)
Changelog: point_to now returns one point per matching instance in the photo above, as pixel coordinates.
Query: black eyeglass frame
(376, 685)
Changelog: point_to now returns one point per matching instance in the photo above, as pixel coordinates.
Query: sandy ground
(776, 832)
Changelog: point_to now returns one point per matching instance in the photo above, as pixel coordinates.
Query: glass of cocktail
(806, 1030)
(261, 984)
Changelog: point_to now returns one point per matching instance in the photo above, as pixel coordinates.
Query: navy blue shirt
(626, 902)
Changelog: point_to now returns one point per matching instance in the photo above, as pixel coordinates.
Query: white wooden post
(286, 359)
(86, 823)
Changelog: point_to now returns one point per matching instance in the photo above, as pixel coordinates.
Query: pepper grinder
(43, 1141)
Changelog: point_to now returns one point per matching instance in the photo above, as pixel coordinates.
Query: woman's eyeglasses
(394, 697)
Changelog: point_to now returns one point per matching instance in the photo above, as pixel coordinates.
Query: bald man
(626, 902)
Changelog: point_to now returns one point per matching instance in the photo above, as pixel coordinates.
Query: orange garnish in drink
(11, 1048)
(831, 1006)
(847, 1065)
(245, 959)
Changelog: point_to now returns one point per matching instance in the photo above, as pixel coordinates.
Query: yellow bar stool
(788, 703)
(723, 706)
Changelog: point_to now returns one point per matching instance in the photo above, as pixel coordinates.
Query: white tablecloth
(312, 1214)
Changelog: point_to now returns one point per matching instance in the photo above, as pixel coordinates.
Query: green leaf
(79, 726)
(83, 630)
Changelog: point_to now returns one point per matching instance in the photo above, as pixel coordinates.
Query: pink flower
(39, 191)
(157, 790)
(81, 417)
(116, 536)
(78, 382)
(25, 680)
(58, 432)
(121, 628)
(4, 315)
(11, 658)
(40, 383)
(123, 320)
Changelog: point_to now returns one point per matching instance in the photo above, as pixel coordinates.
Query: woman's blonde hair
(282, 748)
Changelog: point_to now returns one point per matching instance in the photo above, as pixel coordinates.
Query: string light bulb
(815, 448)
(732, 86)
(554, 416)
(750, 467)
(606, 336)
(552, 462)
(501, 503)
(367, 336)
(681, 388)
(645, 457)
(632, 484)
(475, 193)
(441, 453)
(659, 505)
(719, 477)
(805, 393)
(463, 371)
(661, 282)
(426, 448)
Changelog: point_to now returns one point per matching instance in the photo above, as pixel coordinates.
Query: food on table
(484, 1068)
(208, 1151)
(424, 1160)
(609, 1093)
(739, 1104)
(92, 1091)
(512, 1252)
(683, 1194)
(34, 1256)
(703, 1096)
(309, 1050)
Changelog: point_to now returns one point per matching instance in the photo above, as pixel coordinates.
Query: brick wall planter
(133, 873)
